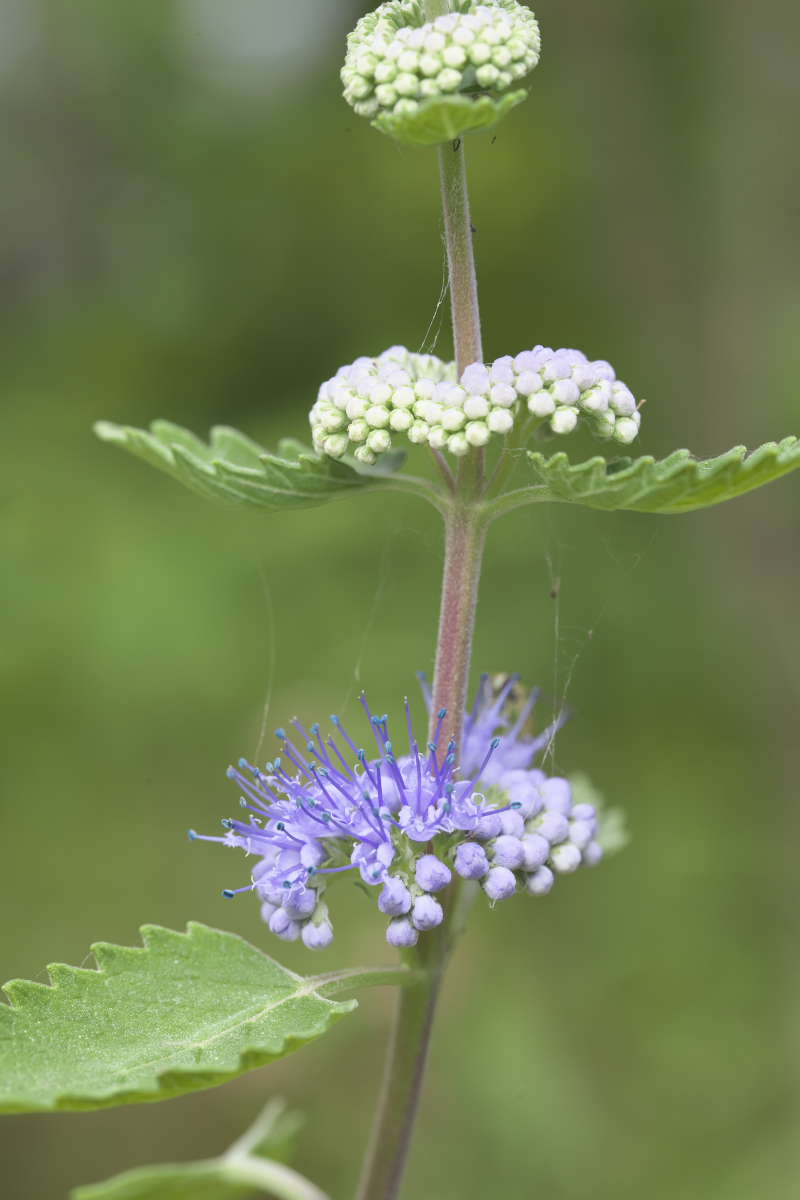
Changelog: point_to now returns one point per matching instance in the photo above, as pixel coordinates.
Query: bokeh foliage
(196, 228)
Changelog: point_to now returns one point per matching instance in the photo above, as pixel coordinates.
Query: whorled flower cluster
(418, 395)
(406, 823)
(396, 59)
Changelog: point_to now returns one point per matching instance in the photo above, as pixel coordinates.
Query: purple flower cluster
(405, 822)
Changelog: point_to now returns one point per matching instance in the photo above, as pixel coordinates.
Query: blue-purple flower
(407, 820)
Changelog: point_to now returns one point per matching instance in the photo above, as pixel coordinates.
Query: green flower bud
(425, 81)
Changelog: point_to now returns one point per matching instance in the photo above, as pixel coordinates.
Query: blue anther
(193, 835)
(228, 894)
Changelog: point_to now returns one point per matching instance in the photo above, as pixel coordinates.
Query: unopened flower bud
(401, 933)
(540, 882)
(535, 851)
(426, 913)
(500, 883)
(471, 861)
(552, 825)
(431, 874)
(395, 898)
(507, 852)
(317, 936)
(566, 858)
(281, 923)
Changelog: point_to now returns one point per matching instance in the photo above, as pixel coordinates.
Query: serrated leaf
(183, 1012)
(444, 118)
(676, 484)
(236, 470)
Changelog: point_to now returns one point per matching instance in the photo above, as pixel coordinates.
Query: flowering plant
(425, 820)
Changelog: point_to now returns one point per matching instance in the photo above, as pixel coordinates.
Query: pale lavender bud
(507, 852)
(584, 812)
(317, 937)
(431, 874)
(540, 882)
(471, 861)
(535, 850)
(557, 795)
(552, 825)
(566, 858)
(512, 823)
(488, 826)
(426, 913)
(267, 910)
(395, 898)
(581, 833)
(282, 924)
(401, 933)
(526, 794)
(300, 902)
(593, 854)
(500, 883)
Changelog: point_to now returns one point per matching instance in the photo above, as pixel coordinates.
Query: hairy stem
(402, 1084)
(465, 532)
(460, 255)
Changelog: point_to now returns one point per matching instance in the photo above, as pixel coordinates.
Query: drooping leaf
(236, 470)
(183, 1012)
(444, 118)
(676, 484)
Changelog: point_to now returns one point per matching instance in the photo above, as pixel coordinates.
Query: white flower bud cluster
(359, 409)
(396, 59)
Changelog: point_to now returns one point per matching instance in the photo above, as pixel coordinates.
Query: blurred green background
(195, 226)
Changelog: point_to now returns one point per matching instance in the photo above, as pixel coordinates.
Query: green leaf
(233, 468)
(444, 118)
(243, 1169)
(214, 1179)
(186, 1011)
(676, 484)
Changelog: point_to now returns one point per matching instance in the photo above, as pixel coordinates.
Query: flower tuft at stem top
(427, 78)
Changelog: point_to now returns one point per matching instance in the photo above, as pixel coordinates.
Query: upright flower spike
(371, 401)
(407, 822)
(428, 81)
